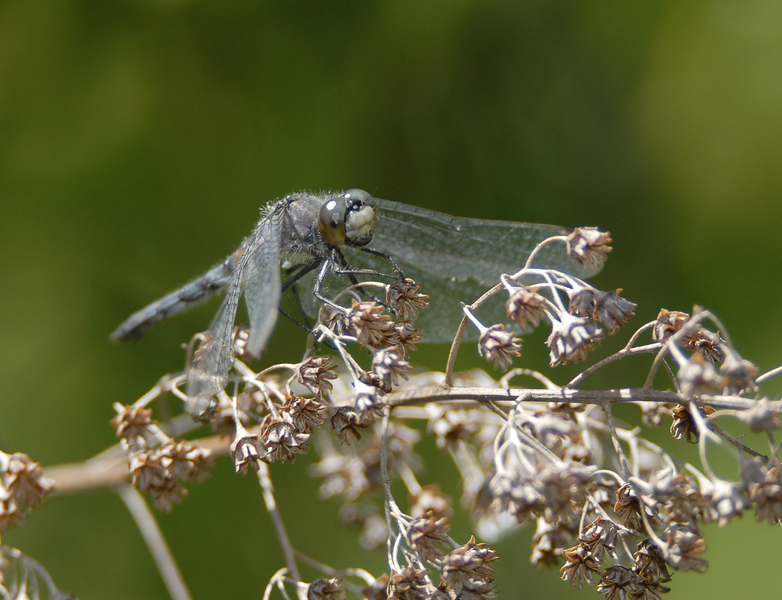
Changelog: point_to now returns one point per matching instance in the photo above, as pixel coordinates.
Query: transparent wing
(258, 273)
(214, 358)
(456, 259)
(262, 282)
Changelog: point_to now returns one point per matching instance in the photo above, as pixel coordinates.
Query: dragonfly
(316, 238)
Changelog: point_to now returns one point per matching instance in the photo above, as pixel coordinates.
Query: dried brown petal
(430, 500)
(132, 424)
(305, 414)
(468, 564)
(572, 339)
(685, 548)
(525, 306)
(315, 373)
(282, 439)
(326, 589)
(409, 584)
(368, 324)
(247, 450)
(499, 346)
(405, 298)
(426, 533)
(613, 310)
(627, 507)
(668, 322)
(404, 336)
(23, 486)
(389, 365)
(346, 423)
(581, 566)
(589, 246)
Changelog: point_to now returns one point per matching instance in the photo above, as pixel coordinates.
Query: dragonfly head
(349, 218)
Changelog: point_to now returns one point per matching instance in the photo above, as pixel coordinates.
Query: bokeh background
(138, 139)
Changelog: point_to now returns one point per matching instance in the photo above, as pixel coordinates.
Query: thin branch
(265, 480)
(156, 542)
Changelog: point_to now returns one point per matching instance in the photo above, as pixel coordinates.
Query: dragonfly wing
(214, 358)
(258, 274)
(456, 259)
(262, 280)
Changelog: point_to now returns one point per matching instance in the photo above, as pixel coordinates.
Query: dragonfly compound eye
(360, 217)
(332, 221)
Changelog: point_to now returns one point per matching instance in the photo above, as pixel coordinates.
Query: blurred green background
(139, 138)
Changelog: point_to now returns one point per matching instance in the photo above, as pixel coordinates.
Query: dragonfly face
(350, 218)
(451, 258)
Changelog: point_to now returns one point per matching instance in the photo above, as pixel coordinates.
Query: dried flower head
(405, 298)
(430, 499)
(613, 310)
(22, 487)
(762, 416)
(563, 486)
(451, 425)
(305, 414)
(517, 495)
(426, 534)
(404, 337)
(389, 365)
(581, 566)
(571, 339)
(667, 323)
(685, 548)
(765, 491)
(368, 402)
(315, 374)
(367, 322)
(726, 500)
(160, 471)
(346, 423)
(600, 536)
(246, 450)
(619, 583)
(326, 589)
(589, 246)
(683, 424)
(525, 306)
(628, 508)
(499, 346)
(697, 377)
(468, 566)
(649, 563)
(132, 424)
(583, 302)
(738, 375)
(409, 584)
(281, 438)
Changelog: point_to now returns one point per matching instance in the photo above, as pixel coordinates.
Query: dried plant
(610, 508)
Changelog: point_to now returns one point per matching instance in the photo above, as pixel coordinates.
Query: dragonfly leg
(381, 254)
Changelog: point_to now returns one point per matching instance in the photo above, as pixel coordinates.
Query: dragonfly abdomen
(211, 282)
